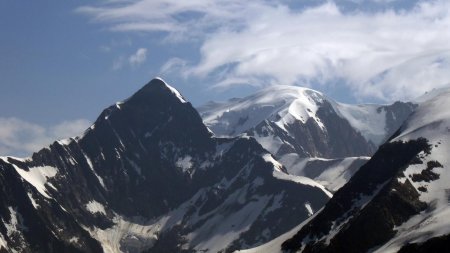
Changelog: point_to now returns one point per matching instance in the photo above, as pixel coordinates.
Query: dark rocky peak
(155, 89)
(133, 148)
(154, 113)
(151, 105)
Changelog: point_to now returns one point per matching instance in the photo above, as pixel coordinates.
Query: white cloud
(134, 60)
(179, 18)
(21, 138)
(386, 54)
(173, 65)
(138, 58)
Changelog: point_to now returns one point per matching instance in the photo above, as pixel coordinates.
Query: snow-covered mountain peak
(304, 105)
(281, 112)
(277, 93)
(279, 103)
(158, 86)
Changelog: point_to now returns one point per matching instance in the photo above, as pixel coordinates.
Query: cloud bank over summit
(385, 50)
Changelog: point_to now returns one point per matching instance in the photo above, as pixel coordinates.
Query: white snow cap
(172, 89)
(280, 103)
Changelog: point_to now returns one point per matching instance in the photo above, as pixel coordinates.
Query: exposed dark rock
(387, 203)
(427, 174)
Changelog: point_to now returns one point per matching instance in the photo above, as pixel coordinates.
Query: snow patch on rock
(309, 209)
(14, 230)
(38, 177)
(185, 163)
(95, 207)
(91, 166)
(300, 180)
(173, 90)
(33, 201)
(269, 158)
(125, 236)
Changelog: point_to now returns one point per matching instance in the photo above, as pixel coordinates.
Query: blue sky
(62, 62)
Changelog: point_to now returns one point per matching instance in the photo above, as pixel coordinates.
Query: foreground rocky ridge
(149, 177)
(363, 213)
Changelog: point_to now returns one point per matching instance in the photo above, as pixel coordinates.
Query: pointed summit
(150, 117)
(157, 87)
(157, 107)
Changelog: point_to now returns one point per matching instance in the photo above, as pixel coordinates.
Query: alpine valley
(287, 169)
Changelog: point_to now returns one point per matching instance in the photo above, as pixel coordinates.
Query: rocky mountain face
(398, 201)
(148, 176)
(300, 125)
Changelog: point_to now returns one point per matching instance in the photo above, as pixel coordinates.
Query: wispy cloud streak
(385, 54)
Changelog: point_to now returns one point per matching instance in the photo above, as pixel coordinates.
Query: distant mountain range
(286, 169)
(308, 132)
